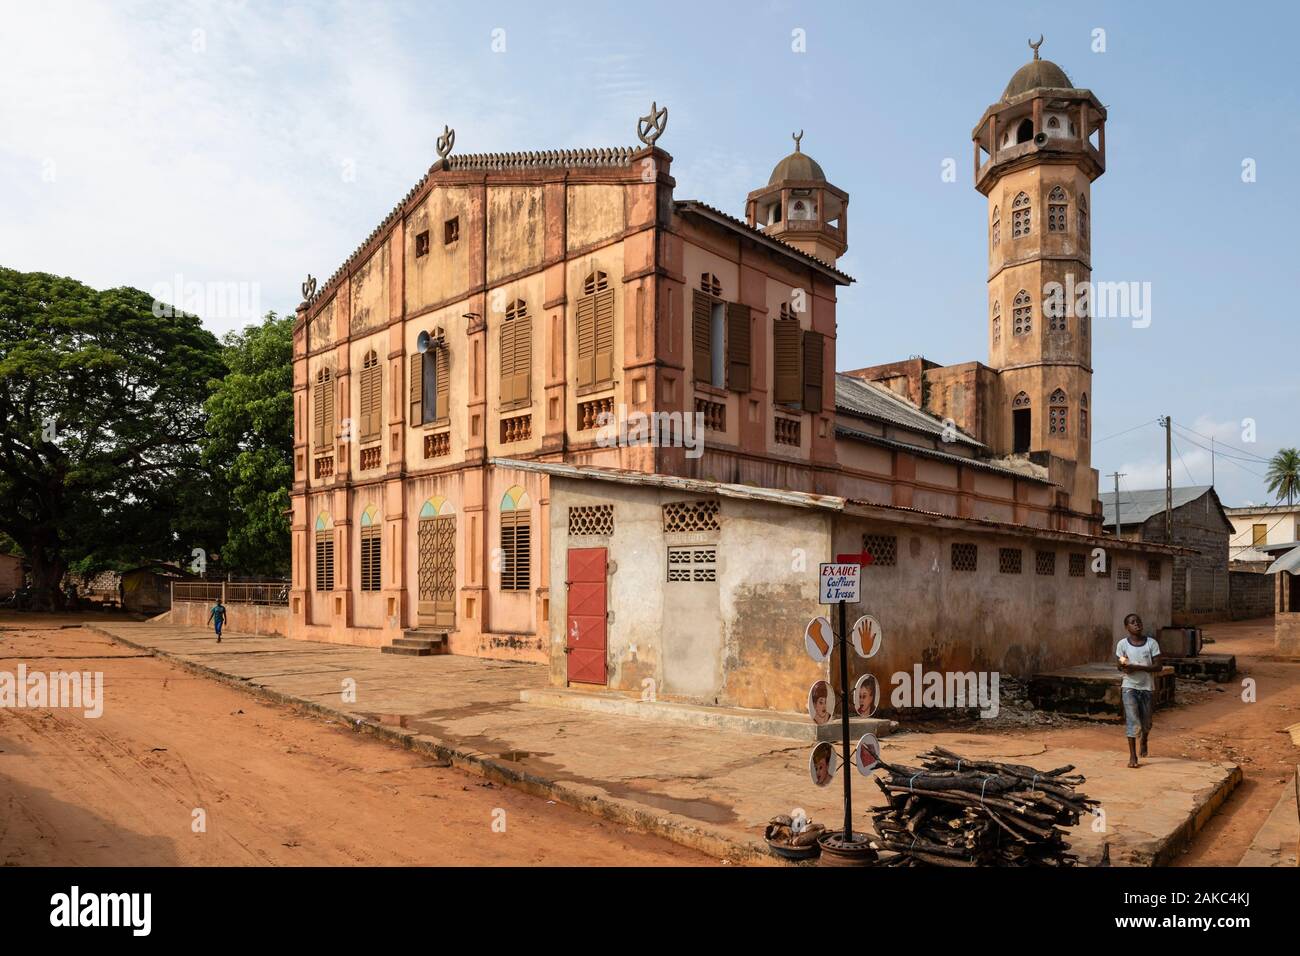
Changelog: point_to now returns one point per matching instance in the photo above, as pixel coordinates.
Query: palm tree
(1283, 475)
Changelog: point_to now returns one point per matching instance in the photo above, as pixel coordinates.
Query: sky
(204, 147)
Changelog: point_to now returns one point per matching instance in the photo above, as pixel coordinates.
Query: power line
(1183, 463)
(1098, 441)
(1231, 459)
(1220, 441)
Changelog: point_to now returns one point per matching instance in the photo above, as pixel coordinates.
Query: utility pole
(1119, 524)
(1167, 424)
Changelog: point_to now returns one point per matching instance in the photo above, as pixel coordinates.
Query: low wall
(1251, 594)
(269, 619)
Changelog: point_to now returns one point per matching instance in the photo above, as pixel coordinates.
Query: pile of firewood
(959, 812)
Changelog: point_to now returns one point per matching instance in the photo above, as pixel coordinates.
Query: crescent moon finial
(1034, 46)
(797, 136)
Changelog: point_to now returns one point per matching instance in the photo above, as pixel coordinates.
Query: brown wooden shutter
(318, 414)
(506, 346)
(442, 382)
(586, 339)
(738, 349)
(813, 359)
(329, 411)
(417, 388)
(371, 402)
(523, 364)
(787, 362)
(702, 336)
(604, 358)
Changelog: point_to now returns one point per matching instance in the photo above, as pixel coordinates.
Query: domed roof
(798, 166)
(1037, 74)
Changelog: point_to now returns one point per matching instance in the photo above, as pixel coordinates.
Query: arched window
(323, 413)
(1022, 314)
(516, 540)
(1083, 219)
(1020, 210)
(516, 356)
(1025, 131)
(1053, 123)
(997, 323)
(595, 332)
(371, 539)
(1057, 413)
(1083, 415)
(1021, 422)
(804, 209)
(324, 552)
(1056, 204)
(997, 227)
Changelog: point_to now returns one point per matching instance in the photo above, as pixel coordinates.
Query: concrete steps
(416, 643)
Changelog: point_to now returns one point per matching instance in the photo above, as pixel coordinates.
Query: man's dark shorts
(1137, 711)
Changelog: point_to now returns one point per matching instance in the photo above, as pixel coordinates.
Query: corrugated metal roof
(798, 499)
(866, 399)
(1137, 506)
(934, 453)
(1288, 562)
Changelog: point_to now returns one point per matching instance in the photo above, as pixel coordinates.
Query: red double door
(585, 639)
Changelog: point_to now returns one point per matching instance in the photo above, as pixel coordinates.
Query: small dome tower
(800, 207)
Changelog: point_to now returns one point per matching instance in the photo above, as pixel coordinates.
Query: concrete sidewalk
(699, 786)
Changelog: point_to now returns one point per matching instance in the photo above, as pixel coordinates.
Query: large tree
(250, 443)
(1283, 475)
(101, 409)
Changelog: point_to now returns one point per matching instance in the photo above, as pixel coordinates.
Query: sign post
(840, 584)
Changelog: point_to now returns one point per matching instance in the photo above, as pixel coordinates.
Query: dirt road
(270, 786)
(1213, 722)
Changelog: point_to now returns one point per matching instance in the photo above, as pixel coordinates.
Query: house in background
(148, 589)
(1255, 526)
(1201, 585)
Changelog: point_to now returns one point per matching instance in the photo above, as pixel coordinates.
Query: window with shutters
(1022, 314)
(997, 323)
(1083, 415)
(371, 537)
(323, 409)
(1056, 205)
(325, 560)
(720, 336)
(1020, 212)
(595, 333)
(787, 362)
(430, 385)
(1083, 219)
(516, 344)
(1057, 413)
(372, 397)
(516, 551)
(997, 227)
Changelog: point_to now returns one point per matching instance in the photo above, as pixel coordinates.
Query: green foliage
(101, 409)
(1283, 475)
(249, 442)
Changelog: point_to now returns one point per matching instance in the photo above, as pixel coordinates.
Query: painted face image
(819, 702)
(823, 771)
(866, 698)
(820, 767)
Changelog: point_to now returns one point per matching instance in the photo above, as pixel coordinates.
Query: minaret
(1037, 152)
(800, 207)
